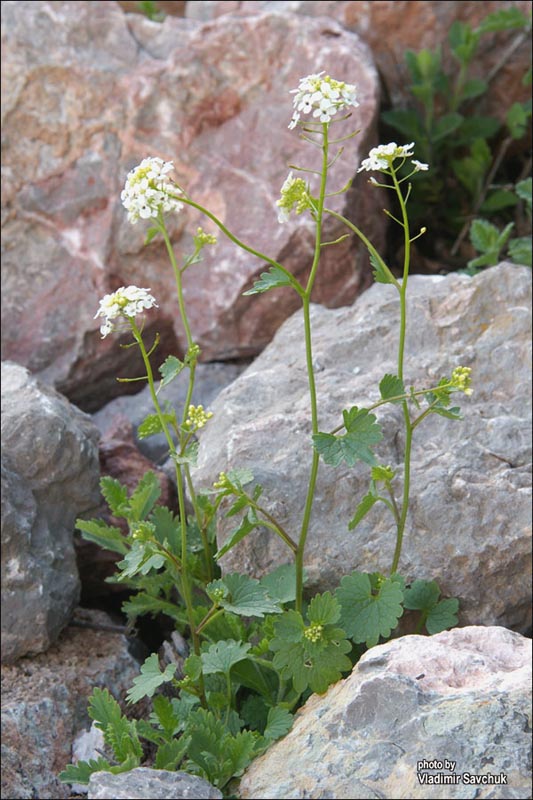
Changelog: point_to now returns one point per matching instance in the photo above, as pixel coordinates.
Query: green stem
(185, 582)
(306, 300)
(401, 350)
(294, 282)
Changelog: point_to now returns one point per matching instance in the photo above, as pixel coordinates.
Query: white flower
(126, 302)
(147, 190)
(321, 96)
(419, 166)
(380, 158)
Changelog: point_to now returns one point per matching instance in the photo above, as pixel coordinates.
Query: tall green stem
(401, 349)
(306, 300)
(185, 582)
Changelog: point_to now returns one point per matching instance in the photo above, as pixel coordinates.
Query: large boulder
(455, 706)
(44, 703)
(469, 525)
(158, 784)
(390, 27)
(84, 106)
(50, 476)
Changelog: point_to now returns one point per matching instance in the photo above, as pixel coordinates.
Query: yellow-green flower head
(197, 417)
(461, 380)
(294, 194)
(380, 158)
(148, 189)
(314, 632)
(126, 302)
(202, 238)
(222, 481)
(321, 96)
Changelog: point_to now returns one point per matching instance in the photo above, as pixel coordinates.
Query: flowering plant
(258, 648)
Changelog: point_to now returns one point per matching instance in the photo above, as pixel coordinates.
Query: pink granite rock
(84, 106)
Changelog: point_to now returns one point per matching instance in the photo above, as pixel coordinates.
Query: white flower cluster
(321, 96)
(147, 190)
(380, 158)
(128, 301)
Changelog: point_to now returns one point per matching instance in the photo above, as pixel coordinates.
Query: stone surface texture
(390, 27)
(158, 784)
(463, 695)
(81, 108)
(469, 524)
(49, 477)
(44, 704)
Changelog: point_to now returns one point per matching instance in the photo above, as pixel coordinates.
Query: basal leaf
(502, 20)
(443, 615)
(104, 535)
(150, 679)
(141, 558)
(260, 679)
(167, 528)
(144, 497)
(269, 280)
(119, 733)
(279, 723)
(170, 369)
(170, 754)
(115, 495)
(366, 615)
(421, 595)
(245, 527)
(324, 609)
(142, 603)
(520, 250)
(221, 656)
(281, 583)
(391, 386)
(82, 771)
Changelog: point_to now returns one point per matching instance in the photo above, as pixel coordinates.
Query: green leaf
(142, 603)
(165, 717)
(520, 250)
(245, 527)
(141, 558)
(151, 233)
(82, 771)
(446, 125)
(502, 20)
(476, 127)
(258, 678)
(119, 733)
(269, 280)
(381, 272)
(484, 235)
(115, 495)
(170, 369)
(368, 501)
(244, 596)
(170, 754)
(104, 535)
(442, 616)
(189, 456)
(381, 473)
(421, 595)
(151, 425)
(450, 413)
(221, 656)
(324, 609)
(215, 751)
(362, 432)
(279, 723)
(516, 119)
(167, 528)
(144, 497)
(501, 198)
(369, 611)
(151, 677)
(281, 583)
(523, 190)
(474, 87)
(391, 386)
(407, 122)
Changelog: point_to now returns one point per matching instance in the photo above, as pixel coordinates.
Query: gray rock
(210, 379)
(44, 703)
(49, 476)
(156, 784)
(469, 525)
(463, 696)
